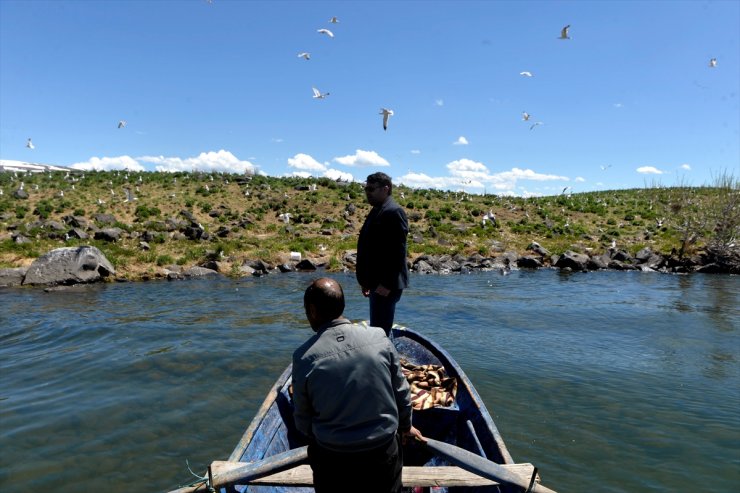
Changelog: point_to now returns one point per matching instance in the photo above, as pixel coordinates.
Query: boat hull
(466, 424)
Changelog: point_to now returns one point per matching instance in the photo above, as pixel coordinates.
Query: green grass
(691, 218)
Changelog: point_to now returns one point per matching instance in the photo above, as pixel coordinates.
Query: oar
(483, 467)
(252, 470)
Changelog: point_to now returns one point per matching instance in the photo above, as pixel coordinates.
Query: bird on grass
(318, 94)
(386, 115)
(325, 31)
(564, 32)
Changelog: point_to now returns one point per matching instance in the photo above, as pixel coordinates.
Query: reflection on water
(113, 387)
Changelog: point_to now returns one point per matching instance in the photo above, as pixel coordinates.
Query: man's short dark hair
(327, 296)
(381, 179)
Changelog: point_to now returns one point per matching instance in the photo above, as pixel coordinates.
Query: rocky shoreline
(69, 266)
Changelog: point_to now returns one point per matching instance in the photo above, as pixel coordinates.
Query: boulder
(528, 262)
(12, 277)
(538, 249)
(105, 218)
(76, 221)
(572, 260)
(109, 234)
(599, 262)
(70, 265)
(199, 272)
(305, 265)
(20, 194)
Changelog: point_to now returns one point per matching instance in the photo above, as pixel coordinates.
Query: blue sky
(630, 100)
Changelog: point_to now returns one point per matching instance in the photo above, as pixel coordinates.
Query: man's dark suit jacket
(381, 248)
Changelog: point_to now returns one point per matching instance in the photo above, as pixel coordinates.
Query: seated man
(351, 399)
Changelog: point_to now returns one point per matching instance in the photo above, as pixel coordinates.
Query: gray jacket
(348, 389)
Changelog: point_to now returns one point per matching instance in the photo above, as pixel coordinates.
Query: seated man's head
(323, 301)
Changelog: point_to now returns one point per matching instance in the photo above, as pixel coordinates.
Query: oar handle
(483, 467)
(252, 470)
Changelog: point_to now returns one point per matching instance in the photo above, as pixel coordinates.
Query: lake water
(608, 381)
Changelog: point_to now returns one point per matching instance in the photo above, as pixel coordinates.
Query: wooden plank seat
(412, 476)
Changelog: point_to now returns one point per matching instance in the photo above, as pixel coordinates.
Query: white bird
(535, 124)
(305, 55)
(285, 217)
(525, 74)
(318, 95)
(525, 116)
(613, 245)
(386, 114)
(333, 20)
(489, 216)
(712, 63)
(61, 193)
(100, 202)
(1, 191)
(606, 167)
(121, 123)
(130, 196)
(29, 144)
(564, 32)
(326, 31)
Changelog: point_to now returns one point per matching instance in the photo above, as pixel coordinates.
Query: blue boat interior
(466, 423)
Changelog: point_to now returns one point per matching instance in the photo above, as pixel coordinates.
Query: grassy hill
(241, 216)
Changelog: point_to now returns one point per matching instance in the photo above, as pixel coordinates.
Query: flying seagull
(121, 123)
(525, 116)
(305, 55)
(713, 63)
(333, 20)
(327, 32)
(564, 32)
(534, 125)
(386, 114)
(29, 144)
(317, 94)
(525, 74)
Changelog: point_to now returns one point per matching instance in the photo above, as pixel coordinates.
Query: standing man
(351, 399)
(382, 270)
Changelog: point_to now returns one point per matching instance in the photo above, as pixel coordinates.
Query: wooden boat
(465, 451)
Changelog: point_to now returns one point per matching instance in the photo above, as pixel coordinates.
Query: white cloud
(687, 167)
(336, 174)
(461, 141)
(109, 163)
(362, 158)
(580, 179)
(439, 102)
(421, 180)
(649, 170)
(415, 151)
(221, 161)
(466, 168)
(305, 162)
(300, 174)
(475, 176)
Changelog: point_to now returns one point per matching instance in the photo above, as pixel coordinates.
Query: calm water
(610, 382)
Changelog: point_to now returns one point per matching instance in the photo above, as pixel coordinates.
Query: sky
(629, 100)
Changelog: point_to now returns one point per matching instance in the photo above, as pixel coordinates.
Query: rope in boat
(199, 480)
